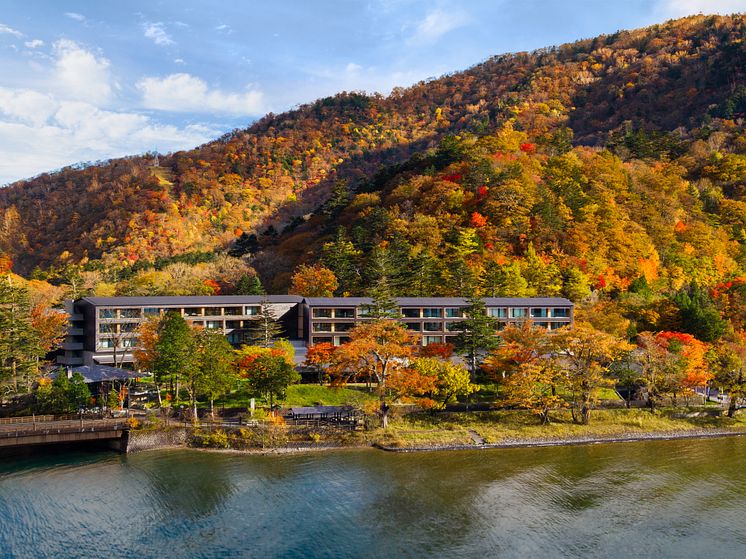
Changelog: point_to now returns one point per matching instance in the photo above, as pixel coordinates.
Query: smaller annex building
(103, 330)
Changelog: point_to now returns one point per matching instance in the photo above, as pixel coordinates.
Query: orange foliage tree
(313, 281)
(378, 350)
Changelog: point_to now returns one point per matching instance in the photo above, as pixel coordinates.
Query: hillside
(683, 75)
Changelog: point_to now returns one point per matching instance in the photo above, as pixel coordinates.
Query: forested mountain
(611, 165)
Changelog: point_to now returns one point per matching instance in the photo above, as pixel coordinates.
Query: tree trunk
(158, 391)
(731, 407)
(212, 409)
(384, 414)
(544, 416)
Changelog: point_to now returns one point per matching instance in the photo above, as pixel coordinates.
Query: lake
(651, 499)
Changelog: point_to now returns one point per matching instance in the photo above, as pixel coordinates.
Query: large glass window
(541, 325)
(517, 313)
(558, 325)
(233, 324)
(128, 327)
(497, 312)
(152, 311)
(322, 326)
(431, 326)
(341, 340)
(212, 311)
(107, 328)
(344, 313)
(414, 326)
(454, 313)
(561, 313)
(129, 313)
(193, 311)
(410, 313)
(343, 326)
(322, 313)
(252, 310)
(106, 343)
(107, 313)
(321, 340)
(432, 313)
(213, 324)
(128, 342)
(232, 311)
(539, 313)
(427, 340)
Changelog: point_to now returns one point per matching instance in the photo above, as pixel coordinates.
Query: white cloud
(39, 132)
(80, 74)
(156, 32)
(36, 43)
(75, 16)
(679, 8)
(179, 61)
(436, 24)
(186, 93)
(4, 29)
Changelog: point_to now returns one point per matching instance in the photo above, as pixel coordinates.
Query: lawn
(304, 395)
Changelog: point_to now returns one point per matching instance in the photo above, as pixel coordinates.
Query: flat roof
(442, 301)
(217, 300)
(190, 300)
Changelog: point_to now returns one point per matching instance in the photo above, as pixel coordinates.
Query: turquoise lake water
(652, 499)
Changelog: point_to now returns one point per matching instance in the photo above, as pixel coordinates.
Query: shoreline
(507, 444)
(576, 441)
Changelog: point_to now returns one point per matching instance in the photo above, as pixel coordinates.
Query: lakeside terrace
(103, 330)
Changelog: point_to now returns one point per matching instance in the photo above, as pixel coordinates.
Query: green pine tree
(264, 328)
(477, 334)
(250, 285)
(20, 347)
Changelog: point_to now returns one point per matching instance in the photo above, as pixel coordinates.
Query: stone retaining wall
(160, 438)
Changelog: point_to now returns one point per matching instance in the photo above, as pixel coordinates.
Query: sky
(90, 80)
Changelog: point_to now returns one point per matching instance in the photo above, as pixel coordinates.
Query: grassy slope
(507, 426)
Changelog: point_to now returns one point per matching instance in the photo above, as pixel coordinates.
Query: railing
(24, 429)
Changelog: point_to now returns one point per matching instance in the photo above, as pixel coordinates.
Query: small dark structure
(323, 415)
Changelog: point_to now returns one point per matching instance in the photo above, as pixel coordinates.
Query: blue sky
(90, 80)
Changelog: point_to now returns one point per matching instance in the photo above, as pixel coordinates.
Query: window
(343, 326)
(233, 324)
(561, 313)
(232, 311)
(193, 311)
(322, 313)
(106, 343)
(517, 313)
(106, 328)
(321, 340)
(432, 313)
(539, 313)
(107, 313)
(322, 326)
(452, 326)
(410, 313)
(544, 325)
(497, 313)
(431, 326)
(363, 312)
(214, 325)
(558, 325)
(454, 313)
(344, 313)
(252, 310)
(414, 326)
(212, 311)
(128, 327)
(341, 340)
(152, 311)
(128, 342)
(129, 313)
(427, 340)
